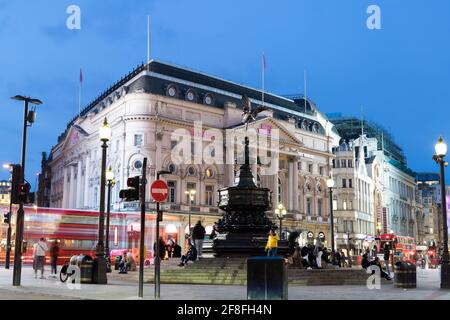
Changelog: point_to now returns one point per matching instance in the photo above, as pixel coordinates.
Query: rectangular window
(172, 191)
(344, 183)
(350, 205)
(138, 140)
(335, 207)
(350, 163)
(334, 163)
(343, 163)
(310, 168)
(308, 206)
(173, 144)
(350, 183)
(321, 170)
(209, 195)
(319, 207)
(344, 205)
(299, 166)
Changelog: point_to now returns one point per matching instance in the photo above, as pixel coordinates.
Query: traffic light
(25, 196)
(133, 191)
(6, 218)
(15, 183)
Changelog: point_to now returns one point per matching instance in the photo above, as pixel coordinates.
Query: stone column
(86, 183)
(79, 186)
(71, 187)
(229, 167)
(274, 186)
(65, 189)
(290, 204)
(295, 185)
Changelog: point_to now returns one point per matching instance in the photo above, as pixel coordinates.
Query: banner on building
(385, 224)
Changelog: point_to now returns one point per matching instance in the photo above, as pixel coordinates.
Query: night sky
(399, 75)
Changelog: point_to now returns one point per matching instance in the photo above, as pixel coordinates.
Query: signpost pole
(142, 240)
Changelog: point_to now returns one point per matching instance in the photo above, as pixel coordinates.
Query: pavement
(52, 289)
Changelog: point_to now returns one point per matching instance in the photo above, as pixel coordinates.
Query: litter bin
(267, 278)
(85, 263)
(405, 275)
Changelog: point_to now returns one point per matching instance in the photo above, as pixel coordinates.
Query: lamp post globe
(280, 211)
(330, 182)
(110, 175)
(441, 148)
(105, 131)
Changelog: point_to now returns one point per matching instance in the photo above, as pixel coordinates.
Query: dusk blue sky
(399, 74)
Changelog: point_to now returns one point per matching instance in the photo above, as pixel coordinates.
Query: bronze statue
(250, 115)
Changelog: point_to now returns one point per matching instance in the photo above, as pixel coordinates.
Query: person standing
(198, 235)
(54, 253)
(318, 251)
(39, 250)
(272, 244)
(386, 257)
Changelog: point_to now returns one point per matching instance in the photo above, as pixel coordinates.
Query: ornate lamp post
(110, 183)
(99, 275)
(191, 193)
(280, 211)
(441, 151)
(330, 185)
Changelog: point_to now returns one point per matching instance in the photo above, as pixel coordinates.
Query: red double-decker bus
(77, 232)
(404, 247)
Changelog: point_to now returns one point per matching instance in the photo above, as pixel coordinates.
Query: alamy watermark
(73, 22)
(374, 19)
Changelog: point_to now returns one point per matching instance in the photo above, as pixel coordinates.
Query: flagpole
(304, 84)
(148, 41)
(79, 98)
(263, 76)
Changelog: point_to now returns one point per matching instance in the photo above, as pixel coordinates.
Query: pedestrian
(39, 250)
(338, 258)
(162, 248)
(272, 244)
(318, 251)
(386, 257)
(343, 259)
(54, 253)
(305, 260)
(198, 235)
(213, 234)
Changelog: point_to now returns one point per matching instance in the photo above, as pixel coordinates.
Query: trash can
(405, 275)
(267, 278)
(85, 263)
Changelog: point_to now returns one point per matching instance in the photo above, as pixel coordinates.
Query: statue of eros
(249, 114)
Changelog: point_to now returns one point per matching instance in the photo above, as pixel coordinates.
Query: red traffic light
(24, 188)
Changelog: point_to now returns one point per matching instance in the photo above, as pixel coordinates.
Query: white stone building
(146, 111)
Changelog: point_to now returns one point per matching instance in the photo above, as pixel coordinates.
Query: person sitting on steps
(191, 255)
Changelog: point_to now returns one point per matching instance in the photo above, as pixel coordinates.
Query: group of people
(368, 260)
(169, 249)
(40, 249)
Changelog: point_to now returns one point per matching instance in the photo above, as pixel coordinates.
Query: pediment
(266, 126)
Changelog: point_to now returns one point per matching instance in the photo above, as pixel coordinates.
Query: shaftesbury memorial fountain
(244, 227)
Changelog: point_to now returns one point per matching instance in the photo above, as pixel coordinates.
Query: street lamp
(280, 211)
(330, 185)
(441, 151)
(28, 119)
(99, 272)
(110, 183)
(191, 193)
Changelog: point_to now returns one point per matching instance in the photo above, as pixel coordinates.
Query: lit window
(172, 191)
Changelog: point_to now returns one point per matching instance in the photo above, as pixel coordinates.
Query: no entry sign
(159, 190)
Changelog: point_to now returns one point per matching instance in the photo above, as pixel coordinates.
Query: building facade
(392, 201)
(190, 124)
(5, 192)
